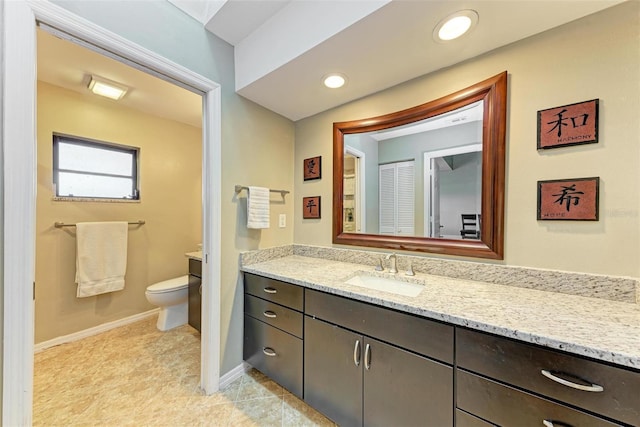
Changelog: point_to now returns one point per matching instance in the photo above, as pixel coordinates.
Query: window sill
(94, 200)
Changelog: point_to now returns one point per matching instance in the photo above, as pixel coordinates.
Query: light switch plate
(282, 220)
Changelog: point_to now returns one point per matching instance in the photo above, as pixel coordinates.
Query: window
(92, 169)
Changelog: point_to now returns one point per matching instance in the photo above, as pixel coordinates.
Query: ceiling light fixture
(108, 88)
(455, 25)
(334, 80)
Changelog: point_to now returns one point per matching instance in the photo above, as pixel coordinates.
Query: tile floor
(137, 376)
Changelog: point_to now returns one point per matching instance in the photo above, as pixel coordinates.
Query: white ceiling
(68, 65)
(283, 48)
(288, 46)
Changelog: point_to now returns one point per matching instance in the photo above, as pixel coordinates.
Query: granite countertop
(596, 328)
(194, 255)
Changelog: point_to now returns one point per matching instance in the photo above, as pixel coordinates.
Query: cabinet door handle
(271, 290)
(200, 289)
(269, 351)
(356, 353)
(367, 357)
(270, 314)
(593, 387)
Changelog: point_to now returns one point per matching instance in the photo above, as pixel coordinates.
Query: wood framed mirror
(429, 178)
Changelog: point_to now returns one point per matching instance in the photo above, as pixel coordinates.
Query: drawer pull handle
(271, 290)
(270, 314)
(367, 357)
(356, 353)
(269, 352)
(549, 423)
(593, 387)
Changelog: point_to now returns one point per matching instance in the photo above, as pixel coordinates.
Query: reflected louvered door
(405, 198)
(397, 198)
(387, 178)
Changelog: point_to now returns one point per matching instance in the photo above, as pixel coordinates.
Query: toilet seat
(169, 285)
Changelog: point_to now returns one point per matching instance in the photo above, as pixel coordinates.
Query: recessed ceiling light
(108, 88)
(334, 80)
(455, 25)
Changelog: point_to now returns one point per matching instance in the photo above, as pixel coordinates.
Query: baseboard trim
(93, 331)
(234, 374)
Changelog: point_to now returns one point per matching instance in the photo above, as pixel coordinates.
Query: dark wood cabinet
(503, 405)
(362, 364)
(357, 380)
(275, 353)
(195, 293)
(282, 293)
(423, 336)
(464, 419)
(333, 371)
(593, 386)
(273, 330)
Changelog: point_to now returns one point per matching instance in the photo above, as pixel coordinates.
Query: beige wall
(170, 184)
(595, 57)
(257, 150)
(257, 144)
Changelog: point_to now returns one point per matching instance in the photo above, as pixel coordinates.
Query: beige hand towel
(258, 207)
(101, 257)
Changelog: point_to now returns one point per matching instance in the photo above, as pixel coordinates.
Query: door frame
(428, 172)
(18, 125)
(361, 186)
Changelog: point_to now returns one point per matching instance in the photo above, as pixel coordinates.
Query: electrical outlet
(282, 220)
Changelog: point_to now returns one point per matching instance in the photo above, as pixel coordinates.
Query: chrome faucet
(393, 268)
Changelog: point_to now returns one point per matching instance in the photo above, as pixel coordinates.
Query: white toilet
(172, 297)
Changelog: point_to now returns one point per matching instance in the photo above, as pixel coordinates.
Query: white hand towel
(258, 207)
(101, 257)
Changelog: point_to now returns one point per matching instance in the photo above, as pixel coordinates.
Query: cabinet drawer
(521, 364)
(195, 267)
(274, 353)
(506, 406)
(466, 420)
(414, 333)
(282, 293)
(274, 314)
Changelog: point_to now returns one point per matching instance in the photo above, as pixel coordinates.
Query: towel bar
(239, 188)
(62, 224)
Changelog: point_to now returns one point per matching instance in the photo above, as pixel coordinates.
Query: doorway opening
(19, 123)
(452, 175)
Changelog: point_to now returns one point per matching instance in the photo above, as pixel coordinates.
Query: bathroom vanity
(460, 353)
(195, 292)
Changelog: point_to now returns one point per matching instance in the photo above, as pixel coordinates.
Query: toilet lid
(169, 285)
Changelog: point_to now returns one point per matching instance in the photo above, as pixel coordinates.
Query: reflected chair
(470, 226)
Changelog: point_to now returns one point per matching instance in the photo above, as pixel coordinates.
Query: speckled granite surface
(194, 255)
(598, 328)
(589, 285)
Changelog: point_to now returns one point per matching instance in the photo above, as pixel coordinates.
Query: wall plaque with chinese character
(313, 168)
(568, 199)
(311, 207)
(568, 125)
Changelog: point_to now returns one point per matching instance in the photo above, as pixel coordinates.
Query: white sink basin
(385, 284)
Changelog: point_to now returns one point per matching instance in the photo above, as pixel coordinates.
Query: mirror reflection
(429, 178)
(421, 179)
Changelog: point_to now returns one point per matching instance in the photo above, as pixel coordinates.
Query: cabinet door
(195, 301)
(333, 371)
(275, 353)
(405, 389)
